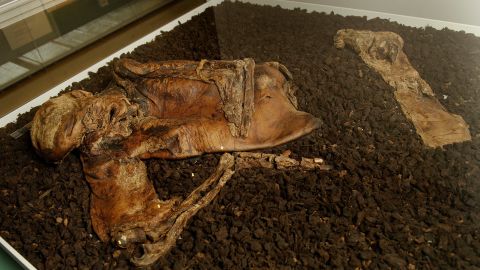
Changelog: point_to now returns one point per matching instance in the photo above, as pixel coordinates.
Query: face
(78, 117)
(56, 129)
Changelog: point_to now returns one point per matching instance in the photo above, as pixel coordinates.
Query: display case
(37, 33)
(399, 145)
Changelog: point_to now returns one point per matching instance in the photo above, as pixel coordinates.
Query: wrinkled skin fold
(171, 110)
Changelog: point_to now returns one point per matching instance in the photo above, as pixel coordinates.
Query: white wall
(457, 11)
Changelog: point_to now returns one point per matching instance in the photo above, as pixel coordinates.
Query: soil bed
(388, 202)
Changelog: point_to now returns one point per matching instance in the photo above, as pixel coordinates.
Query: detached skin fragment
(171, 110)
(383, 52)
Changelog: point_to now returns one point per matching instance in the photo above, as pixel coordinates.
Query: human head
(56, 127)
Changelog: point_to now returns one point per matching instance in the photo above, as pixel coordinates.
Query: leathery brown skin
(383, 51)
(61, 124)
(173, 109)
(189, 120)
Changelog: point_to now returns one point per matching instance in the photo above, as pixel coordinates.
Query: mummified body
(172, 109)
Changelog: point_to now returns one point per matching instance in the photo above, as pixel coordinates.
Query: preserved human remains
(383, 51)
(171, 110)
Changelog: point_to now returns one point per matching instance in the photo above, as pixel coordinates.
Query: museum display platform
(391, 196)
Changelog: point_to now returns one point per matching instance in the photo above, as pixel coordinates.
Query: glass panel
(36, 33)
